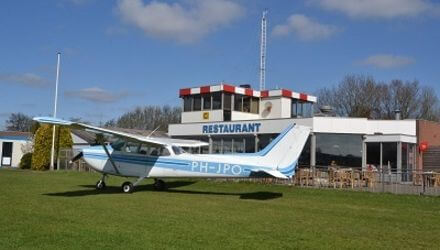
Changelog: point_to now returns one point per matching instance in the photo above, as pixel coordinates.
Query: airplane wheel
(100, 185)
(160, 185)
(127, 187)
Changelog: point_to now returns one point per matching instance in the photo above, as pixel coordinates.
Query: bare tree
(19, 122)
(360, 96)
(147, 118)
(355, 96)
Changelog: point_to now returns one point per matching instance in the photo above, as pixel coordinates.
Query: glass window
(144, 149)
(118, 145)
(164, 152)
(249, 144)
(238, 145)
(187, 103)
(373, 154)
(177, 150)
(197, 103)
(217, 100)
(343, 150)
(227, 99)
(389, 155)
(304, 158)
(216, 146)
(255, 105)
(207, 102)
(307, 109)
(264, 140)
(246, 104)
(238, 102)
(132, 147)
(227, 145)
(294, 108)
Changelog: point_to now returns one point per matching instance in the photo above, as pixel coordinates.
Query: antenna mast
(263, 52)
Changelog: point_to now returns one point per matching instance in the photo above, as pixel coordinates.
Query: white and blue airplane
(155, 157)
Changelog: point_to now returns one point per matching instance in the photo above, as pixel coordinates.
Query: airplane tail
(283, 152)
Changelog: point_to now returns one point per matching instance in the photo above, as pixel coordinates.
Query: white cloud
(305, 28)
(96, 94)
(385, 61)
(26, 79)
(378, 8)
(183, 23)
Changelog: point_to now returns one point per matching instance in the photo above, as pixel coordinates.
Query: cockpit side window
(132, 147)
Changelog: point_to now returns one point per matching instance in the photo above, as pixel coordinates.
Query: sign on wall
(205, 115)
(234, 128)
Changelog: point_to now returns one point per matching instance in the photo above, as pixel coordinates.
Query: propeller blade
(76, 157)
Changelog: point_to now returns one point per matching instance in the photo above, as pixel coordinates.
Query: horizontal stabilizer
(268, 173)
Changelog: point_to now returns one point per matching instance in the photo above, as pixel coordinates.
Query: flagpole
(52, 152)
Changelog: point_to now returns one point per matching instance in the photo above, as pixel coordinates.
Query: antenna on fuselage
(152, 132)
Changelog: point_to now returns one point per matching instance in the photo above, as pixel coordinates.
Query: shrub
(26, 161)
(43, 145)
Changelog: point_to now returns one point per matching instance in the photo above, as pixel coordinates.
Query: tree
(19, 122)
(355, 96)
(360, 96)
(43, 145)
(147, 118)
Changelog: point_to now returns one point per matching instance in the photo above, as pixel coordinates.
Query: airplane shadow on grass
(261, 195)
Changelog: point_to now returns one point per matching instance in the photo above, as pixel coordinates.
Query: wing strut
(110, 158)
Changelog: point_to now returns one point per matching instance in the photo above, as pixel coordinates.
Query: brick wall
(427, 131)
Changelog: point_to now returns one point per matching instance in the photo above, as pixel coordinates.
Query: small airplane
(155, 157)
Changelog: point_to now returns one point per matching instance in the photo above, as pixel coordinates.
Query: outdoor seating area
(335, 177)
(411, 182)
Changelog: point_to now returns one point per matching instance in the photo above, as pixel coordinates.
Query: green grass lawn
(63, 210)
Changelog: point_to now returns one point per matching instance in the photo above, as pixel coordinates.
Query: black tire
(100, 185)
(127, 187)
(160, 185)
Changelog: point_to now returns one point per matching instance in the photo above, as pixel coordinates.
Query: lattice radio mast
(263, 52)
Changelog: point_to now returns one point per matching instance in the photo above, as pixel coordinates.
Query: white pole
(52, 152)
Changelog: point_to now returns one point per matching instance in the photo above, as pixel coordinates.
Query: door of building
(6, 154)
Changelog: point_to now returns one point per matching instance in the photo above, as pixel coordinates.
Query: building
(237, 119)
(12, 145)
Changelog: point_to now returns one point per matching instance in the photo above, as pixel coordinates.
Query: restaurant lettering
(231, 128)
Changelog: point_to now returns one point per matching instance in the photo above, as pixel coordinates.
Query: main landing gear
(128, 187)
(159, 185)
(100, 185)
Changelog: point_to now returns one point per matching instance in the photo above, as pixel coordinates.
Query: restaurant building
(238, 119)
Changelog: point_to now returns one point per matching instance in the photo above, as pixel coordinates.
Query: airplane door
(6, 154)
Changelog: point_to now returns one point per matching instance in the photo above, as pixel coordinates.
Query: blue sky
(120, 54)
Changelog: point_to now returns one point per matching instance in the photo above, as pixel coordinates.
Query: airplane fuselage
(182, 165)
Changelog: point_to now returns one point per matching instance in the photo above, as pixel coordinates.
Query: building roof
(246, 91)
(15, 133)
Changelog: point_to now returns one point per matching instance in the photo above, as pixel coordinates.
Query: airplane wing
(143, 139)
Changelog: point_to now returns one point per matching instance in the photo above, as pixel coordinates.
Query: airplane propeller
(76, 157)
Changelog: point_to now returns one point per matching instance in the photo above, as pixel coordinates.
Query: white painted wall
(197, 116)
(318, 125)
(242, 116)
(363, 126)
(16, 150)
(280, 108)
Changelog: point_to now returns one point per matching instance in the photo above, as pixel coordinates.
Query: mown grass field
(62, 210)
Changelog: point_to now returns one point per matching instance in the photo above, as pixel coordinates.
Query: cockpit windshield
(178, 150)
